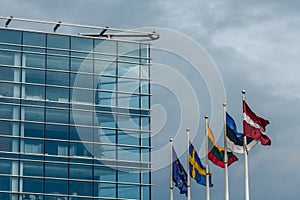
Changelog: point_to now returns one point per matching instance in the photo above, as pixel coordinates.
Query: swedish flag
(197, 170)
(179, 174)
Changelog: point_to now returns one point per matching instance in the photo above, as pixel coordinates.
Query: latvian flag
(255, 126)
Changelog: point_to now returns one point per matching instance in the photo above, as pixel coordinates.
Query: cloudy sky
(255, 46)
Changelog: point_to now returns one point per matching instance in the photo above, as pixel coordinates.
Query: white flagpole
(225, 156)
(207, 166)
(188, 166)
(171, 169)
(245, 155)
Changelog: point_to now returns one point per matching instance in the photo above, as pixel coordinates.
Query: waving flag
(179, 174)
(234, 139)
(197, 170)
(255, 126)
(216, 153)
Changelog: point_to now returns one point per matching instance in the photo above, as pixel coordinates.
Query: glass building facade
(74, 117)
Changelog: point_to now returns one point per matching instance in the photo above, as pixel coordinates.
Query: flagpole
(225, 156)
(245, 155)
(188, 166)
(171, 169)
(207, 170)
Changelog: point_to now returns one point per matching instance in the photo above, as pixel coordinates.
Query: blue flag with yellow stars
(179, 174)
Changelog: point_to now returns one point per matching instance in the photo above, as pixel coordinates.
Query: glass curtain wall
(74, 117)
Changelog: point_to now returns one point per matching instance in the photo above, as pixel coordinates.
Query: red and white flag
(255, 126)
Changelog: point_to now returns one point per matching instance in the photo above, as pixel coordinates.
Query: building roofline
(103, 32)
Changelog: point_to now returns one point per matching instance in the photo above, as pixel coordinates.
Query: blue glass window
(11, 37)
(105, 190)
(127, 137)
(57, 78)
(82, 80)
(58, 41)
(9, 90)
(57, 132)
(60, 95)
(105, 67)
(10, 74)
(33, 114)
(56, 148)
(81, 44)
(57, 116)
(9, 111)
(34, 39)
(129, 191)
(56, 187)
(33, 92)
(34, 76)
(9, 128)
(34, 60)
(33, 130)
(33, 146)
(81, 65)
(80, 188)
(57, 170)
(58, 62)
(81, 133)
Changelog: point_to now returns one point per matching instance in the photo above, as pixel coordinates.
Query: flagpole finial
(244, 91)
(171, 140)
(188, 129)
(206, 116)
(224, 104)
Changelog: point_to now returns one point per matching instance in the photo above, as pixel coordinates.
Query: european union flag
(179, 174)
(197, 170)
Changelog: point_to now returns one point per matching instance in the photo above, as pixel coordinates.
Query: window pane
(81, 44)
(9, 112)
(81, 65)
(56, 148)
(34, 39)
(81, 133)
(60, 95)
(9, 144)
(105, 190)
(57, 132)
(9, 73)
(104, 173)
(57, 78)
(58, 62)
(9, 128)
(32, 185)
(106, 83)
(33, 168)
(80, 188)
(80, 172)
(129, 191)
(34, 76)
(56, 187)
(33, 114)
(129, 153)
(9, 90)
(126, 137)
(81, 80)
(33, 130)
(58, 41)
(34, 60)
(12, 37)
(81, 149)
(105, 67)
(33, 146)
(6, 166)
(33, 92)
(57, 116)
(56, 170)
